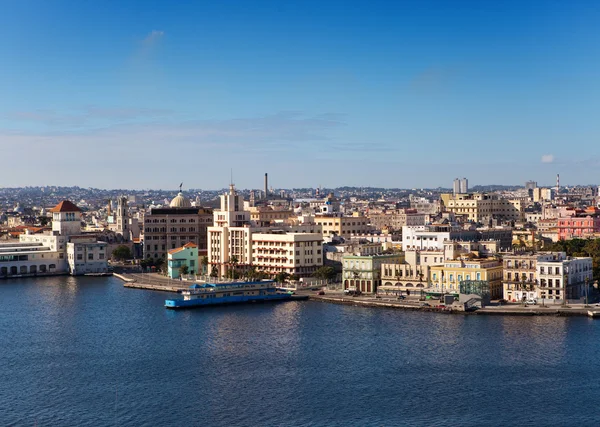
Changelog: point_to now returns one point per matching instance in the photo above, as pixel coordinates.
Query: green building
(187, 256)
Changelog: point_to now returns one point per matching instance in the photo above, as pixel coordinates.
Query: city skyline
(378, 94)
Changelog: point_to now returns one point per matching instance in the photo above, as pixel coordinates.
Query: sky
(404, 94)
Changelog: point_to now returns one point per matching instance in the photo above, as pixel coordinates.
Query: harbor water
(88, 352)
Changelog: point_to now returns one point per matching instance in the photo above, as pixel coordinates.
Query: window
(79, 256)
(101, 256)
(90, 257)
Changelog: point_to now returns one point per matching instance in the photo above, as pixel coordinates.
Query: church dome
(180, 202)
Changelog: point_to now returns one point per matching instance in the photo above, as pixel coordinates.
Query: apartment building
(363, 273)
(397, 220)
(547, 275)
(446, 278)
(483, 207)
(300, 254)
(404, 279)
(343, 226)
(577, 227)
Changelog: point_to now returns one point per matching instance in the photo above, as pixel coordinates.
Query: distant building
(482, 207)
(460, 186)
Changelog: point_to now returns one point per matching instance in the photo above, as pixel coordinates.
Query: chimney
(266, 185)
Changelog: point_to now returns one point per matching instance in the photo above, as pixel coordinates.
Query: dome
(180, 202)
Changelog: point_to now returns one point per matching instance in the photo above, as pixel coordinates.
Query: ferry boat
(229, 293)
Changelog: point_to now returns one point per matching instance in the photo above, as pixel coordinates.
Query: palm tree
(204, 263)
(233, 262)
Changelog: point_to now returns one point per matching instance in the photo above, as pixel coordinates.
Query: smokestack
(266, 185)
(557, 183)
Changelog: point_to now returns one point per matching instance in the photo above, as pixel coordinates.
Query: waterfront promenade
(157, 282)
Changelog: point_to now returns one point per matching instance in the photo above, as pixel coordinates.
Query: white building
(293, 253)
(45, 254)
(295, 248)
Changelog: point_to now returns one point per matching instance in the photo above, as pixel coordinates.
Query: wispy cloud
(153, 37)
(548, 158)
(85, 115)
(432, 79)
(275, 132)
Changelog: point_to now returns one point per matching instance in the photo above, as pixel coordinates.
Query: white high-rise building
(460, 186)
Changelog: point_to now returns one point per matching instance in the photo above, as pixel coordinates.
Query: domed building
(180, 201)
(173, 225)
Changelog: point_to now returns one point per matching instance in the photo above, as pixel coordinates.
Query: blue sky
(146, 94)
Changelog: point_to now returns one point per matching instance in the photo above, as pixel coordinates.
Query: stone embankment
(505, 310)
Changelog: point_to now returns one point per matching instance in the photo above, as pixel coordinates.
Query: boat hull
(234, 299)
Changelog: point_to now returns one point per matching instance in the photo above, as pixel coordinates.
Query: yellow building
(481, 207)
(265, 216)
(343, 226)
(447, 277)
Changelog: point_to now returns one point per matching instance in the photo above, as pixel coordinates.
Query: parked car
(425, 304)
(531, 301)
(321, 293)
(401, 297)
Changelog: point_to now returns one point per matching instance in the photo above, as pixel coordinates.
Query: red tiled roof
(65, 206)
(190, 245)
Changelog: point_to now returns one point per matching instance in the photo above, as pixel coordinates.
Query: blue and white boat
(229, 293)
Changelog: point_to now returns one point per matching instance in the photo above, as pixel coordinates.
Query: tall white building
(460, 186)
(235, 240)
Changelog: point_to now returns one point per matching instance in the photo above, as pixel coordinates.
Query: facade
(404, 278)
(568, 276)
(172, 227)
(446, 278)
(363, 273)
(432, 237)
(187, 255)
(266, 216)
(547, 275)
(577, 227)
(85, 255)
(343, 226)
(397, 220)
(300, 254)
(460, 186)
(483, 207)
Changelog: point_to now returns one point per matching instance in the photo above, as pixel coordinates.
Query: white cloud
(548, 158)
(153, 37)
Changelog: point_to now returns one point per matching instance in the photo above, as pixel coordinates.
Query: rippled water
(86, 351)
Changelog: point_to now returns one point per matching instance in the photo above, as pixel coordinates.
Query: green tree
(214, 272)
(325, 273)
(122, 253)
(204, 264)
(282, 277)
(183, 270)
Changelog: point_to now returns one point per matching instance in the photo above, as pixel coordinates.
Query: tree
(122, 253)
(159, 264)
(282, 277)
(214, 272)
(204, 264)
(183, 270)
(325, 273)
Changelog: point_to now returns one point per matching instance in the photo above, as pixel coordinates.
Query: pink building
(577, 227)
